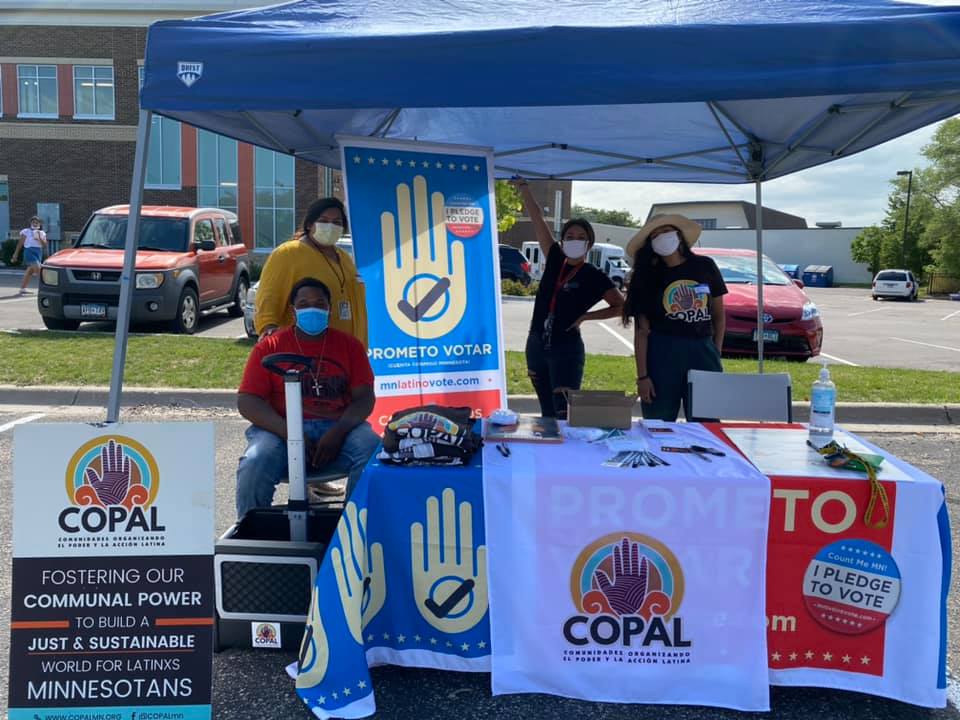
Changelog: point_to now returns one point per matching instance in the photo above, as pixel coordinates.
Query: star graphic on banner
(465, 647)
(369, 638)
(827, 656)
(426, 164)
(401, 638)
(453, 166)
(808, 654)
(335, 696)
(476, 168)
(775, 656)
(413, 163)
(793, 657)
(346, 692)
(464, 167)
(385, 161)
(399, 162)
(864, 660)
(482, 644)
(370, 161)
(433, 641)
(417, 638)
(321, 700)
(449, 644)
(356, 159)
(846, 659)
(439, 164)
(386, 636)
(362, 684)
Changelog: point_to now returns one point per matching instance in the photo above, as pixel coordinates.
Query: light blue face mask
(312, 321)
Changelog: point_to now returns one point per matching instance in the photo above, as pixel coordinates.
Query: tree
(608, 217)
(509, 205)
(866, 248)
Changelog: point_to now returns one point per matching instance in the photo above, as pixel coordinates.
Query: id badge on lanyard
(345, 310)
(562, 281)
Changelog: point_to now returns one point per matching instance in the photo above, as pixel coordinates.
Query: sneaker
(23, 291)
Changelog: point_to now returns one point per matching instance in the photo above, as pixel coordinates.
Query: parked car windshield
(892, 276)
(156, 233)
(743, 269)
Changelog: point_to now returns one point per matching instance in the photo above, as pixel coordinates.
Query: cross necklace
(314, 375)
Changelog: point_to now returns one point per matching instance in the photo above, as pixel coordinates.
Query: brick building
(69, 82)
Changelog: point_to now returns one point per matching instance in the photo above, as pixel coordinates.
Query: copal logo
(111, 483)
(266, 635)
(627, 589)
(687, 300)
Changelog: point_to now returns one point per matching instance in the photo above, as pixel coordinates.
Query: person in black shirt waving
(568, 289)
(676, 300)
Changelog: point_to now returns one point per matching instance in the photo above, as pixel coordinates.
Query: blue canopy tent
(727, 91)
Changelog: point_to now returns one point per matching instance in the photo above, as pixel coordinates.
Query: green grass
(50, 358)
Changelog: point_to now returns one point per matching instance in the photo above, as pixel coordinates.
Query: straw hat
(688, 228)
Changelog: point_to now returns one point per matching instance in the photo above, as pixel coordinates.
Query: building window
(37, 91)
(93, 92)
(216, 171)
(273, 193)
(706, 223)
(163, 152)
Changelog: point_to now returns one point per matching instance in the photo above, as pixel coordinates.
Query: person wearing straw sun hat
(675, 299)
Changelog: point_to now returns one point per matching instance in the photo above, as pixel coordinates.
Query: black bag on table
(431, 435)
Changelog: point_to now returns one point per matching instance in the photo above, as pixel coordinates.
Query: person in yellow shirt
(313, 252)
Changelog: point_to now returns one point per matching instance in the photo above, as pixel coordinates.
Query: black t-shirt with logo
(677, 301)
(579, 293)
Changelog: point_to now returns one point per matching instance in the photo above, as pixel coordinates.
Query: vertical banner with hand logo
(423, 223)
(112, 603)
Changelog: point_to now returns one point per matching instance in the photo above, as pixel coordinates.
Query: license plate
(889, 285)
(93, 310)
(768, 335)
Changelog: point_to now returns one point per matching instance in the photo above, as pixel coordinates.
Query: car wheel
(60, 323)
(875, 298)
(240, 297)
(188, 313)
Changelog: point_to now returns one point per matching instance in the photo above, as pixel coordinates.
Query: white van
(611, 261)
(537, 260)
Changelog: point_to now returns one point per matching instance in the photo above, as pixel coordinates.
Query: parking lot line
(18, 298)
(947, 317)
(839, 360)
(865, 312)
(917, 342)
(617, 335)
(20, 421)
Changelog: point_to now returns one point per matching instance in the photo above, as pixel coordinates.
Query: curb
(96, 396)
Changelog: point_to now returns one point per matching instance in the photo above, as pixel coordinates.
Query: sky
(853, 190)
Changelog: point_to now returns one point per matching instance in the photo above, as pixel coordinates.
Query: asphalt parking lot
(923, 335)
(251, 685)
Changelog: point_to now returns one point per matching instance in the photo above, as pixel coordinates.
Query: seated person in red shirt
(337, 399)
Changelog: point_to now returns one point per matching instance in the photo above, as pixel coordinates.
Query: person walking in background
(313, 252)
(569, 287)
(675, 299)
(33, 241)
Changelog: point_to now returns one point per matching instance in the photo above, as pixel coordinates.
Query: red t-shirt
(340, 364)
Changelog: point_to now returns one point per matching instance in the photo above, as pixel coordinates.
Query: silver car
(895, 284)
(345, 244)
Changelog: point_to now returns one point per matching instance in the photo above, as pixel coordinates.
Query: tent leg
(129, 264)
(759, 184)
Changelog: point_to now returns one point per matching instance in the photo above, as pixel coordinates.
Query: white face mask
(666, 243)
(574, 249)
(327, 233)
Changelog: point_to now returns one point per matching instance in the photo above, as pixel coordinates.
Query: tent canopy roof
(680, 90)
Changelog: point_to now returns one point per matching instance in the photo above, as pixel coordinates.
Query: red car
(791, 327)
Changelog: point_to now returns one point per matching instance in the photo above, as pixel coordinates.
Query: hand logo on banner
(359, 572)
(425, 279)
(451, 595)
(314, 649)
(627, 589)
(113, 480)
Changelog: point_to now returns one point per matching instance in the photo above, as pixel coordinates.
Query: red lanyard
(562, 282)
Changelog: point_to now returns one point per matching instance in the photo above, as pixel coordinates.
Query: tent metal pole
(129, 265)
(759, 184)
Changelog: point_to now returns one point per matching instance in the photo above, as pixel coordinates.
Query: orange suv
(190, 262)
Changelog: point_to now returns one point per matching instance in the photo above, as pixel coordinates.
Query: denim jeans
(669, 359)
(264, 462)
(559, 367)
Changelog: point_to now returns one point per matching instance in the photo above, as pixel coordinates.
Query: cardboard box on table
(600, 408)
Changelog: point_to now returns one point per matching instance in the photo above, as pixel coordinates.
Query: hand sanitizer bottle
(823, 400)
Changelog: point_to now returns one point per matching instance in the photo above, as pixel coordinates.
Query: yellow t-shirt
(295, 260)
